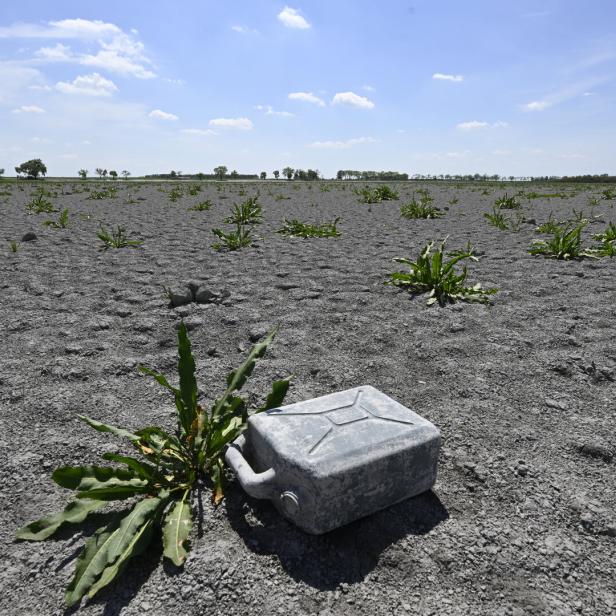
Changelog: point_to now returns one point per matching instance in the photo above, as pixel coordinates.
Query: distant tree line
(582, 179)
(347, 174)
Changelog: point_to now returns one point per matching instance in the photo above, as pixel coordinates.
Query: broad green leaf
(114, 491)
(101, 427)
(160, 379)
(238, 377)
(108, 544)
(74, 513)
(178, 524)
(71, 477)
(188, 383)
(276, 396)
(143, 469)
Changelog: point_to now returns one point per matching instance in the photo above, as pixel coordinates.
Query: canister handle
(258, 485)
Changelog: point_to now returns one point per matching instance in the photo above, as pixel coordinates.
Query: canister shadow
(345, 555)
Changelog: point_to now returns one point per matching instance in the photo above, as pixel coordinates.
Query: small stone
(456, 327)
(179, 297)
(191, 323)
(555, 404)
(29, 237)
(256, 334)
(596, 450)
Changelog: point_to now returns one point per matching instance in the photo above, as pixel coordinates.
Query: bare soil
(522, 520)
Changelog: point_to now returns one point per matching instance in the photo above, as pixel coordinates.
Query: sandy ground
(522, 517)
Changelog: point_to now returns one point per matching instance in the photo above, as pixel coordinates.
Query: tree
(83, 173)
(263, 175)
(172, 174)
(32, 168)
(201, 175)
(220, 172)
(113, 174)
(234, 175)
(125, 174)
(104, 173)
(1, 172)
(98, 172)
(288, 172)
(276, 174)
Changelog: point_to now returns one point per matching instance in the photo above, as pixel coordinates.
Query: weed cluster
(296, 228)
(171, 467)
(243, 216)
(422, 208)
(507, 203)
(116, 238)
(108, 192)
(61, 223)
(433, 274)
(203, 206)
(39, 204)
(376, 195)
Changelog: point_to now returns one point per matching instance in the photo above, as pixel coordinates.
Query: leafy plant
(608, 194)
(40, 205)
(609, 235)
(380, 193)
(194, 189)
(565, 243)
(421, 209)
(433, 274)
(61, 223)
(607, 239)
(203, 206)
(507, 203)
(116, 238)
(175, 193)
(296, 228)
(108, 192)
(168, 471)
(240, 238)
(246, 213)
(549, 226)
(497, 219)
(14, 246)
(453, 201)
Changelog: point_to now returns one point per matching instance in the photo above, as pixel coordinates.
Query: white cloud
(475, 124)
(340, 145)
(502, 152)
(241, 123)
(536, 106)
(367, 88)
(29, 109)
(291, 18)
(199, 132)
(269, 110)
(118, 51)
(307, 97)
(88, 85)
(58, 53)
(446, 77)
(162, 115)
(350, 98)
(244, 30)
(588, 93)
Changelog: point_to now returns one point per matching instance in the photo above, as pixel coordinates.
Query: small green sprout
(296, 228)
(116, 238)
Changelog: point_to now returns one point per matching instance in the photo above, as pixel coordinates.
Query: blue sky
(423, 86)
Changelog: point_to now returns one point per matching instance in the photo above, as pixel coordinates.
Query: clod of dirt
(29, 237)
(596, 450)
(194, 293)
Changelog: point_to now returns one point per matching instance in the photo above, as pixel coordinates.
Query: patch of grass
(549, 226)
(421, 209)
(175, 193)
(565, 243)
(453, 201)
(607, 240)
(246, 213)
(162, 479)
(497, 219)
(40, 205)
(13, 246)
(608, 194)
(194, 189)
(61, 223)
(432, 273)
(203, 206)
(116, 238)
(240, 238)
(507, 203)
(108, 192)
(376, 195)
(296, 228)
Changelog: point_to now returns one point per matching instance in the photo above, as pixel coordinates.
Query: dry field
(521, 521)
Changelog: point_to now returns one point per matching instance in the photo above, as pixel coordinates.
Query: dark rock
(29, 237)
(596, 450)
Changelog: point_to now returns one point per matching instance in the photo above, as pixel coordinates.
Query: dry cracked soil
(522, 518)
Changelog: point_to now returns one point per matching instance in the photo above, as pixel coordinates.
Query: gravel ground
(521, 520)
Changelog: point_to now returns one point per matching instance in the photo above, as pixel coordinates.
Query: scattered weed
(170, 469)
(108, 192)
(565, 243)
(240, 238)
(507, 203)
(14, 246)
(380, 193)
(40, 205)
(116, 238)
(204, 206)
(246, 213)
(421, 209)
(432, 274)
(296, 228)
(61, 223)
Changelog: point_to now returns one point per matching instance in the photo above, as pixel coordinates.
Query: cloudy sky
(422, 86)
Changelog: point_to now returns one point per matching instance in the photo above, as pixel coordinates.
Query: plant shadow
(344, 555)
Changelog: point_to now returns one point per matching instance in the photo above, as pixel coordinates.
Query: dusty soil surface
(522, 519)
